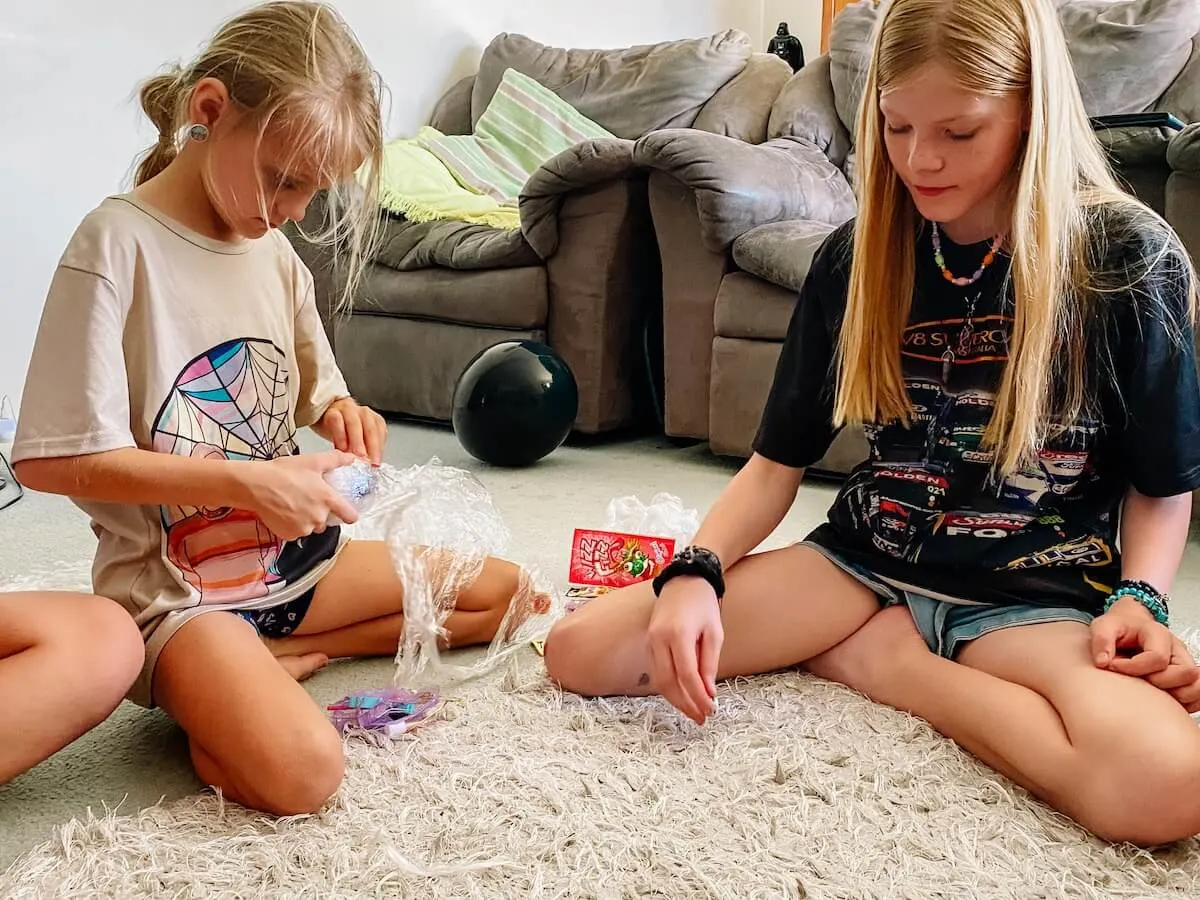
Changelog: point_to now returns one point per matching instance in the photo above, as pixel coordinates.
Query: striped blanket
(524, 126)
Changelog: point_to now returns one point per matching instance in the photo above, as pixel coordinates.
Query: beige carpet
(797, 788)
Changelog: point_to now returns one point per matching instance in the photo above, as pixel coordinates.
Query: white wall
(70, 127)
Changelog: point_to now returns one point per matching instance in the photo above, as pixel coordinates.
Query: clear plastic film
(664, 516)
(440, 527)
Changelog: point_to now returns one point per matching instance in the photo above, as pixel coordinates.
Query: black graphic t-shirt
(924, 510)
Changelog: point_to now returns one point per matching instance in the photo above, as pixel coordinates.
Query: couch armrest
(584, 166)
(739, 186)
(604, 292)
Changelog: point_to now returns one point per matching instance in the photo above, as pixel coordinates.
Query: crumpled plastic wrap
(440, 526)
(664, 516)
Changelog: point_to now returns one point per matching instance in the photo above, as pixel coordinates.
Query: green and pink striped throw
(524, 126)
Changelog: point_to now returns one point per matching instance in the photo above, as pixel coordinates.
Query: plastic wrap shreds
(665, 516)
(440, 526)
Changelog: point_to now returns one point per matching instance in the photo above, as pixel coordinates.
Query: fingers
(685, 656)
(664, 675)
(332, 459)
(356, 440)
(374, 435)
(1106, 631)
(1155, 655)
(1174, 676)
(342, 508)
(334, 425)
(1188, 697)
(1180, 652)
(710, 655)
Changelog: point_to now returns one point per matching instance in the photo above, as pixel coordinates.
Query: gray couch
(583, 273)
(737, 224)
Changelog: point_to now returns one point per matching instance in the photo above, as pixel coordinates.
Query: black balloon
(515, 403)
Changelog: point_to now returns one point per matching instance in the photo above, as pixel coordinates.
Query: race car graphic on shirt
(1089, 551)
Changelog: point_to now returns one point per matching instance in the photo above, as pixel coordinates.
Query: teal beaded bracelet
(1155, 602)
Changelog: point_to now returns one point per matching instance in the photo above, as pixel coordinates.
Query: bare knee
(306, 771)
(1149, 798)
(562, 657)
(100, 642)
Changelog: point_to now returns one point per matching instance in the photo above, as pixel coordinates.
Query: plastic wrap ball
(514, 404)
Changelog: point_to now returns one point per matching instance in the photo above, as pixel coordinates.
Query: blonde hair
(295, 65)
(1062, 195)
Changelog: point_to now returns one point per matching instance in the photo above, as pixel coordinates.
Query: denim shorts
(948, 626)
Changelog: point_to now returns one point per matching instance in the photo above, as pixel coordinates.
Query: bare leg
(253, 731)
(780, 608)
(358, 607)
(1115, 753)
(66, 662)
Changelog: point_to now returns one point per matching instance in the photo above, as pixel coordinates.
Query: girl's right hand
(293, 499)
(685, 637)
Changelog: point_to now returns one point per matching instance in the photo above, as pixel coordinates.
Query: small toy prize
(390, 712)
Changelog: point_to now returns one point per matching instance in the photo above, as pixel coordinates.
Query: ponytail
(160, 98)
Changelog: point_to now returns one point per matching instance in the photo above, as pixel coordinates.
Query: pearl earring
(198, 133)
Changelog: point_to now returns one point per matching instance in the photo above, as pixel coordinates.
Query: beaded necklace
(988, 259)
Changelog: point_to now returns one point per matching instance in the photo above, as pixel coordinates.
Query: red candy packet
(615, 559)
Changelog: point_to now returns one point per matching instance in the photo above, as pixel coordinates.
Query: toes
(301, 667)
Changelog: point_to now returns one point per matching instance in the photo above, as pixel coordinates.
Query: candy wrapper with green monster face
(637, 542)
(440, 526)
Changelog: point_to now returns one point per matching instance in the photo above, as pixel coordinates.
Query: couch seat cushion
(781, 252)
(752, 309)
(499, 298)
(405, 245)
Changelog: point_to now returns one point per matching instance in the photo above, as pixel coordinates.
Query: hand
(290, 496)
(354, 429)
(1161, 657)
(685, 636)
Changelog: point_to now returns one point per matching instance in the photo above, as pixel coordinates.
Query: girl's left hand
(355, 429)
(1159, 656)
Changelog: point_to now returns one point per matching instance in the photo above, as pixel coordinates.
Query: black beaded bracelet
(698, 561)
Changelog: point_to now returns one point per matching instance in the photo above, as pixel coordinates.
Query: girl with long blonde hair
(180, 352)
(1014, 333)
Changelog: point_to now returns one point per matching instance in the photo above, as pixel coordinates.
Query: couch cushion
(742, 108)
(406, 245)
(805, 109)
(629, 91)
(1126, 53)
(1183, 97)
(452, 114)
(500, 298)
(752, 309)
(1184, 152)
(781, 252)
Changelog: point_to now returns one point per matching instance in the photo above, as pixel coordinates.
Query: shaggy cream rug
(798, 788)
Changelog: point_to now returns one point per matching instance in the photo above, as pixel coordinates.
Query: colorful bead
(988, 259)
(1155, 602)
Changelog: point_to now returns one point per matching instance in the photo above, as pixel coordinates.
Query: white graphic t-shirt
(156, 337)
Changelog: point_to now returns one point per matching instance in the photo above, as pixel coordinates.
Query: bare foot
(868, 660)
(300, 667)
